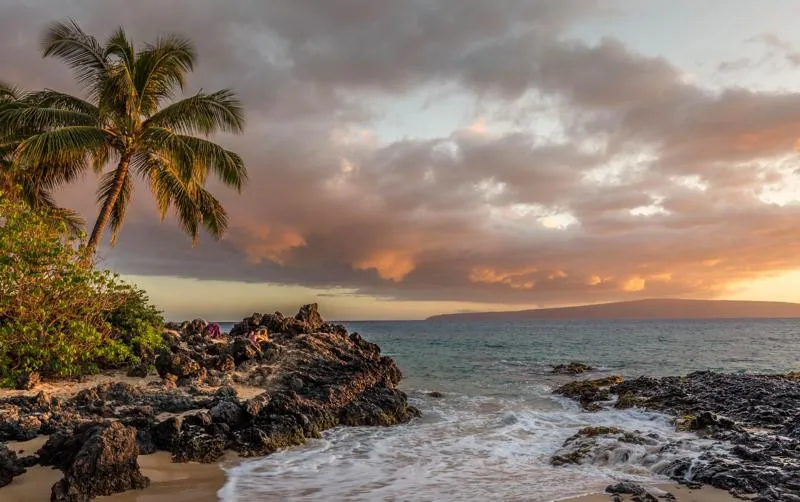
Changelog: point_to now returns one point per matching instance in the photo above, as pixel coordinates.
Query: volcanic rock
(10, 466)
(98, 459)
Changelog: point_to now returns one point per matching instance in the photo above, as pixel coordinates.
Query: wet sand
(681, 493)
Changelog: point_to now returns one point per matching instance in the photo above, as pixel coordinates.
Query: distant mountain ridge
(644, 309)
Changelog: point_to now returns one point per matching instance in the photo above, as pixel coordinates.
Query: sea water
(493, 433)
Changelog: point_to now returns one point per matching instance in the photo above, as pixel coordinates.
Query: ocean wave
(464, 448)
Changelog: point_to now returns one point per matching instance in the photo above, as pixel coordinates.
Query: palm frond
(161, 69)
(119, 210)
(19, 185)
(82, 52)
(197, 156)
(226, 165)
(52, 176)
(119, 91)
(54, 99)
(194, 206)
(74, 222)
(66, 146)
(10, 93)
(171, 190)
(214, 216)
(151, 166)
(202, 113)
(35, 118)
(42, 200)
(121, 48)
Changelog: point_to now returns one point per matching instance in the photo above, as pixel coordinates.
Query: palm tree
(28, 185)
(129, 120)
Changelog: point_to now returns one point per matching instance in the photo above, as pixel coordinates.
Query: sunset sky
(413, 157)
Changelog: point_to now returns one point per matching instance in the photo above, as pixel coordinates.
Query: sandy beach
(170, 482)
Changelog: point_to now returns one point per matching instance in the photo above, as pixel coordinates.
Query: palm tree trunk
(108, 206)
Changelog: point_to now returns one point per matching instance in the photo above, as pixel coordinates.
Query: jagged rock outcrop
(314, 376)
(756, 416)
(97, 459)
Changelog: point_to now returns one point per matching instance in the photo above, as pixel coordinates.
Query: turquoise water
(494, 354)
(493, 433)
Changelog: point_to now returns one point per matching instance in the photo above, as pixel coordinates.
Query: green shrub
(137, 323)
(58, 317)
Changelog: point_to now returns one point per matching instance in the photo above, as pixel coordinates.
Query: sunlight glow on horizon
(232, 301)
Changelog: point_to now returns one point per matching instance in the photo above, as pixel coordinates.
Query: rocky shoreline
(750, 425)
(314, 376)
(276, 381)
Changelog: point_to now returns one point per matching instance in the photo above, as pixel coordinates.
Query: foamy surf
(466, 448)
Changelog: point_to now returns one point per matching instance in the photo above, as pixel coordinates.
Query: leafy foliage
(137, 323)
(129, 118)
(57, 316)
(31, 186)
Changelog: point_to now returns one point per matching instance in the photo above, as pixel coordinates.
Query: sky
(415, 157)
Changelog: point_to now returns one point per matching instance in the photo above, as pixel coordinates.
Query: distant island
(643, 309)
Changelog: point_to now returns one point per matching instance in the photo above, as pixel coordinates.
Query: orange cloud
(390, 265)
(263, 243)
(596, 280)
(634, 284)
(516, 279)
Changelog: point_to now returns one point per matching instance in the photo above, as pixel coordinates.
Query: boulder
(227, 412)
(573, 368)
(589, 392)
(196, 444)
(181, 364)
(166, 433)
(97, 459)
(242, 350)
(10, 466)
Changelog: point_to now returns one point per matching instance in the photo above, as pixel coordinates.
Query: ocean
(493, 433)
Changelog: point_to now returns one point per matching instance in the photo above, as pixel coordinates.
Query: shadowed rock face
(756, 416)
(314, 376)
(97, 459)
(10, 466)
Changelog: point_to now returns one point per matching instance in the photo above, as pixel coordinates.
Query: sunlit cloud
(407, 155)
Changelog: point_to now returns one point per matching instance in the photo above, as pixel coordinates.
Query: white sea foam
(464, 448)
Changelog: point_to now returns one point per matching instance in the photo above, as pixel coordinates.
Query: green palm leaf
(197, 156)
(120, 208)
(81, 52)
(54, 99)
(63, 146)
(202, 114)
(161, 68)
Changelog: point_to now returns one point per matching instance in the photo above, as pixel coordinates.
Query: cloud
(618, 177)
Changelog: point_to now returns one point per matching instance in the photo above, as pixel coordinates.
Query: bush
(58, 317)
(137, 323)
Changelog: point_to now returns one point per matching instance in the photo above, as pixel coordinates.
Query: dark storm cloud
(652, 189)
